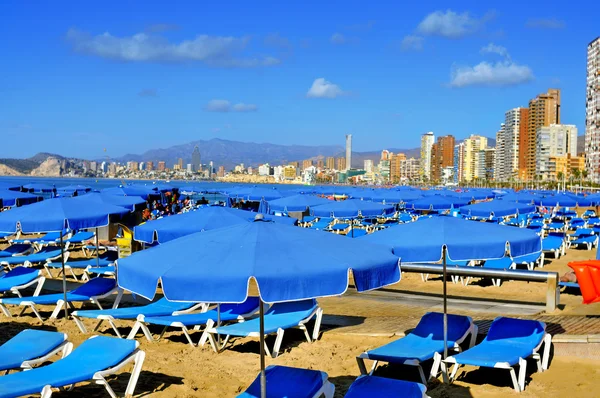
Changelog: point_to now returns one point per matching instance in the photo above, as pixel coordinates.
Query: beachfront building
(368, 166)
(514, 137)
(289, 172)
(348, 152)
(554, 141)
(306, 164)
(442, 156)
(566, 165)
(162, 166)
(196, 160)
(341, 164)
(265, 170)
(409, 170)
(500, 169)
(396, 167)
(592, 111)
(427, 141)
(472, 146)
(459, 157)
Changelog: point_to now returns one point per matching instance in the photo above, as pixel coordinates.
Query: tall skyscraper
(368, 166)
(552, 141)
(330, 163)
(162, 166)
(306, 164)
(473, 145)
(396, 160)
(510, 140)
(500, 169)
(427, 141)
(196, 160)
(341, 164)
(592, 111)
(442, 156)
(459, 158)
(320, 164)
(544, 110)
(348, 151)
(149, 166)
(180, 163)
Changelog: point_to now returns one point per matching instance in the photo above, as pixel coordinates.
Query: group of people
(173, 203)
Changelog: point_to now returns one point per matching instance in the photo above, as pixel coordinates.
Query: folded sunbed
(93, 291)
(228, 313)
(424, 343)
(30, 348)
(284, 381)
(94, 359)
(16, 250)
(40, 257)
(21, 278)
(381, 387)
(157, 308)
(508, 343)
(279, 316)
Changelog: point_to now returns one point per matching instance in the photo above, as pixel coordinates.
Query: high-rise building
(592, 111)
(427, 141)
(348, 151)
(384, 168)
(180, 163)
(320, 164)
(396, 160)
(500, 160)
(211, 169)
(289, 172)
(385, 155)
(544, 110)
(149, 166)
(514, 138)
(341, 164)
(93, 166)
(552, 141)
(161, 166)
(196, 160)
(330, 163)
(306, 164)
(472, 146)
(484, 164)
(368, 166)
(442, 156)
(459, 161)
(221, 172)
(409, 169)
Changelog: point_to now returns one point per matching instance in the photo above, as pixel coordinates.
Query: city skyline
(196, 74)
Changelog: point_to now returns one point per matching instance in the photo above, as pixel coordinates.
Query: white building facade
(551, 141)
(592, 111)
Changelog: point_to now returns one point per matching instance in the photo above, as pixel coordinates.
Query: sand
(174, 369)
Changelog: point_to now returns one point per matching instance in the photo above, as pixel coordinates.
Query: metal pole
(64, 274)
(263, 377)
(218, 323)
(444, 252)
(97, 250)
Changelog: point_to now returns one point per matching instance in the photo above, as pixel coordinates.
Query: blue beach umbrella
(390, 196)
(496, 208)
(352, 208)
(15, 198)
(438, 238)
(296, 203)
(435, 202)
(128, 202)
(10, 186)
(204, 219)
(141, 191)
(38, 187)
(287, 264)
(564, 200)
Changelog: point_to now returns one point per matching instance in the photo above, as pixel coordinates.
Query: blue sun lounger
(94, 359)
(588, 241)
(508, 343)
(50, 237)
(381, 387)
(79, 238)
(422, 344)
(156, 308)
(83, 264)
(279, 316)
(322, 223)
(569, 285)
(21, 278)
(553, 244)
(32, 347)
(93, 291)
(16, 250)
(284, 381)
(530, 260)
(503, 263)
(40, 257)
(228, 313)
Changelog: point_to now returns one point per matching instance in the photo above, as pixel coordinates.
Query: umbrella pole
(64, 274)
(263, 377)
(97, 250)
(444, 254)
(218, 323)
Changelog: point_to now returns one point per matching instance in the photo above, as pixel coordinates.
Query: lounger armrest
(202, 306)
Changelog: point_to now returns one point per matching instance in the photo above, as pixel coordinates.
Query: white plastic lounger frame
(27, 263)
(60, 304)
(65, 349)
(137, 357)
(518, 384)
(437, 357)
(317, 312)
(111, 320)
(40, 283)
(140, 324)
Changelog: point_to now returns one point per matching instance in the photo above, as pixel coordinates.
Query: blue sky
(77, 78)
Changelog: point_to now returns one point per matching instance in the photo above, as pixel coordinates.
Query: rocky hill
(41, 165)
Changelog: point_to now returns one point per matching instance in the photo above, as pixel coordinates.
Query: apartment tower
(442, 156)
(592, 111)
(348, 151)
(427, 141)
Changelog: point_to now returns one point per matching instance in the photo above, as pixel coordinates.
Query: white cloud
(412, 42)
(219, 105)
(241, 107)
(495, 49)
(545, 23)
(505, 73)
(338, 38)
(322, 88)
(221, 51)
(450, 24)
(277, 41)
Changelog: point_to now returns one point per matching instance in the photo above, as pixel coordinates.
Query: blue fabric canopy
(422, 241)
(288, 264)
(496, 208)
(435, 202)
(128, 202)
(38, 187)
(392, 196)
(255, 194)
(143, 192)
(296, 203)
(9, 186)
(564, 200)
(521, 197)
(55, 215)
(12, 198)
(352, 208)
(204, 219)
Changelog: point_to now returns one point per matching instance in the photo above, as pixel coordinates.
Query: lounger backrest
(95, 287)
(517, 331)
(251, 304)
(17, 248)
(431, 326)
(298, 308)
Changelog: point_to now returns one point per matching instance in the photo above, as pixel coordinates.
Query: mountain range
(230, 153)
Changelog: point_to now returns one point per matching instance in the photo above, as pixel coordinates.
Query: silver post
(218, 323)
(444, 254)
(97, 250)
(64, 275)
(263, 377)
